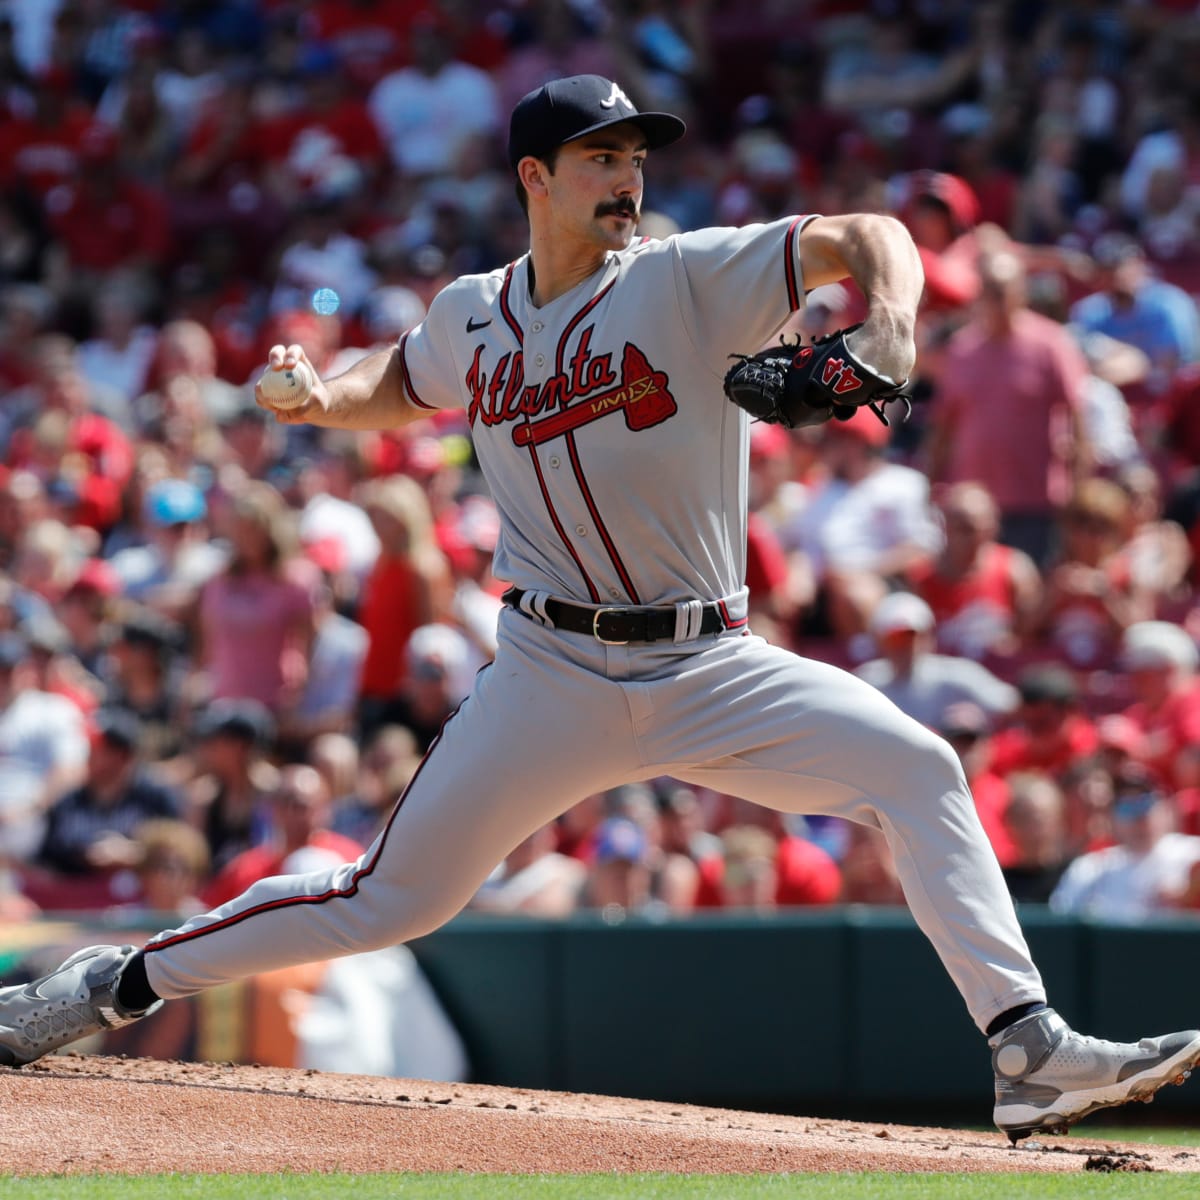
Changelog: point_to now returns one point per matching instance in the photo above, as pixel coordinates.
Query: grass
(1078, 1185)
(1075, 1186)
(1181, 1135)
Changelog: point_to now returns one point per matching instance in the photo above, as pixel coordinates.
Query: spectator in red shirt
(749, 868)
(767, 574)
(1007, 411)
(983, 594)
(941, 212)
(1090, 595)
(368, 36)
(1050, 732)
(803, 873)
(216, 182)
(868, 868)
(968, 729)
(255, 619)
(300, 814)
(40, 151)
(326, 139)
(1182, 418)
(1161, 660)
(409, 586)
(104, 218)
(1036, 823)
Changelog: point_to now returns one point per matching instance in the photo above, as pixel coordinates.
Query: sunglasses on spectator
(1129, 808)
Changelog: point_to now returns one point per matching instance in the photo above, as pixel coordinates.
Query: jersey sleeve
(736, 287)
(427, 360)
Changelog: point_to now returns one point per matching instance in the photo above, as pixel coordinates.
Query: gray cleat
(1048, 1076)
(77, 999)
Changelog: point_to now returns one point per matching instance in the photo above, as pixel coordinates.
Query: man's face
(596, 187)
(1140, 820)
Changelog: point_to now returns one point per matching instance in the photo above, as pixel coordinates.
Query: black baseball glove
(796, 385)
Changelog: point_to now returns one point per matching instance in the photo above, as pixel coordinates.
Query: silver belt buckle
(596, 627)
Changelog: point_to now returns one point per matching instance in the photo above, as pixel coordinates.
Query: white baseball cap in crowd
(1151, 645)
(899, 612)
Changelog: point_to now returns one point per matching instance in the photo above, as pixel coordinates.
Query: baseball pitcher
(593, 371)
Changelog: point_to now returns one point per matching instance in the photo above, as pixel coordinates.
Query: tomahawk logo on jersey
(565, 401)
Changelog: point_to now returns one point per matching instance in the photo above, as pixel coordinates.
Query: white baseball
(288, 387)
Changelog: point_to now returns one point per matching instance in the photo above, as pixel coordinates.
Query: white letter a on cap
(615, 95)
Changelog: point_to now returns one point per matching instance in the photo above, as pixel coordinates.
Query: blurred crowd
(225, 644)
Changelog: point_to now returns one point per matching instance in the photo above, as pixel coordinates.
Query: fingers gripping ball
(287, 387)
(796, 385)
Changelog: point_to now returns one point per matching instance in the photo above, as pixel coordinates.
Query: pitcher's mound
(83, 1115)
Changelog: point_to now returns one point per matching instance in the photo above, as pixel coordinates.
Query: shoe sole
(1019, 1121)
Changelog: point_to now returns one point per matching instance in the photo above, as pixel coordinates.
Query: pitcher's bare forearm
(878, 253)
(370, 395)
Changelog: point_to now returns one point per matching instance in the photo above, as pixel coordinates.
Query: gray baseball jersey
(619, 469)
(617, 464)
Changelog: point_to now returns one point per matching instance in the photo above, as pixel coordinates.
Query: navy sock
(134, 993)
(1013, 1015)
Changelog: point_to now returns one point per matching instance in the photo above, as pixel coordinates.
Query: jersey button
(555, 460)
(538, 327)
(614, 593)
(581, 530)
(540, 360)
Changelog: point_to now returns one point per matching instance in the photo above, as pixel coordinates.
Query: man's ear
(532, 173)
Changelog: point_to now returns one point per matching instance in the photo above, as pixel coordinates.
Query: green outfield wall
(835, 1011)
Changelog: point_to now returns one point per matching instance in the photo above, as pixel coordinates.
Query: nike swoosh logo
(472, 326)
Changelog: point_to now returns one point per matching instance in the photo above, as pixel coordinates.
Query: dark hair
(551, 161)
(1048, 683)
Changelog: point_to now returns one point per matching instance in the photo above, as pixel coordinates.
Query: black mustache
(624, 208)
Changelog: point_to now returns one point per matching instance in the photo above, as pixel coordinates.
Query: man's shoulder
(342, 632)
(483, 285)
(1159, 294)
(1180, 847)
(1035, 327)
(964, 342)
(895, 481)
(50, 714)
(336, 843)
(876, 671)
(151, 798)
(1091, 309)
(1093, 863)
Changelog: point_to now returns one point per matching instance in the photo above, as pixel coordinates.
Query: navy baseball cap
(565, 109)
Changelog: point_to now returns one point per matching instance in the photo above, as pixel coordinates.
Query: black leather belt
(617, 624)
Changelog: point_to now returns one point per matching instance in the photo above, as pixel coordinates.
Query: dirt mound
(82, 1114)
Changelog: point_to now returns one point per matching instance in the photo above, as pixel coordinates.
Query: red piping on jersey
(506, 311)
(333, 893)
(511, 321)
(730, 623)
(577, 466)
(789, 265)
(407, 379)
(593, 591)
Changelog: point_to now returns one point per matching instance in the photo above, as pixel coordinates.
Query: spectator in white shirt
(868, 522)
(1140, 875)
(917, 680)
(43, 751)
(424, 112)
